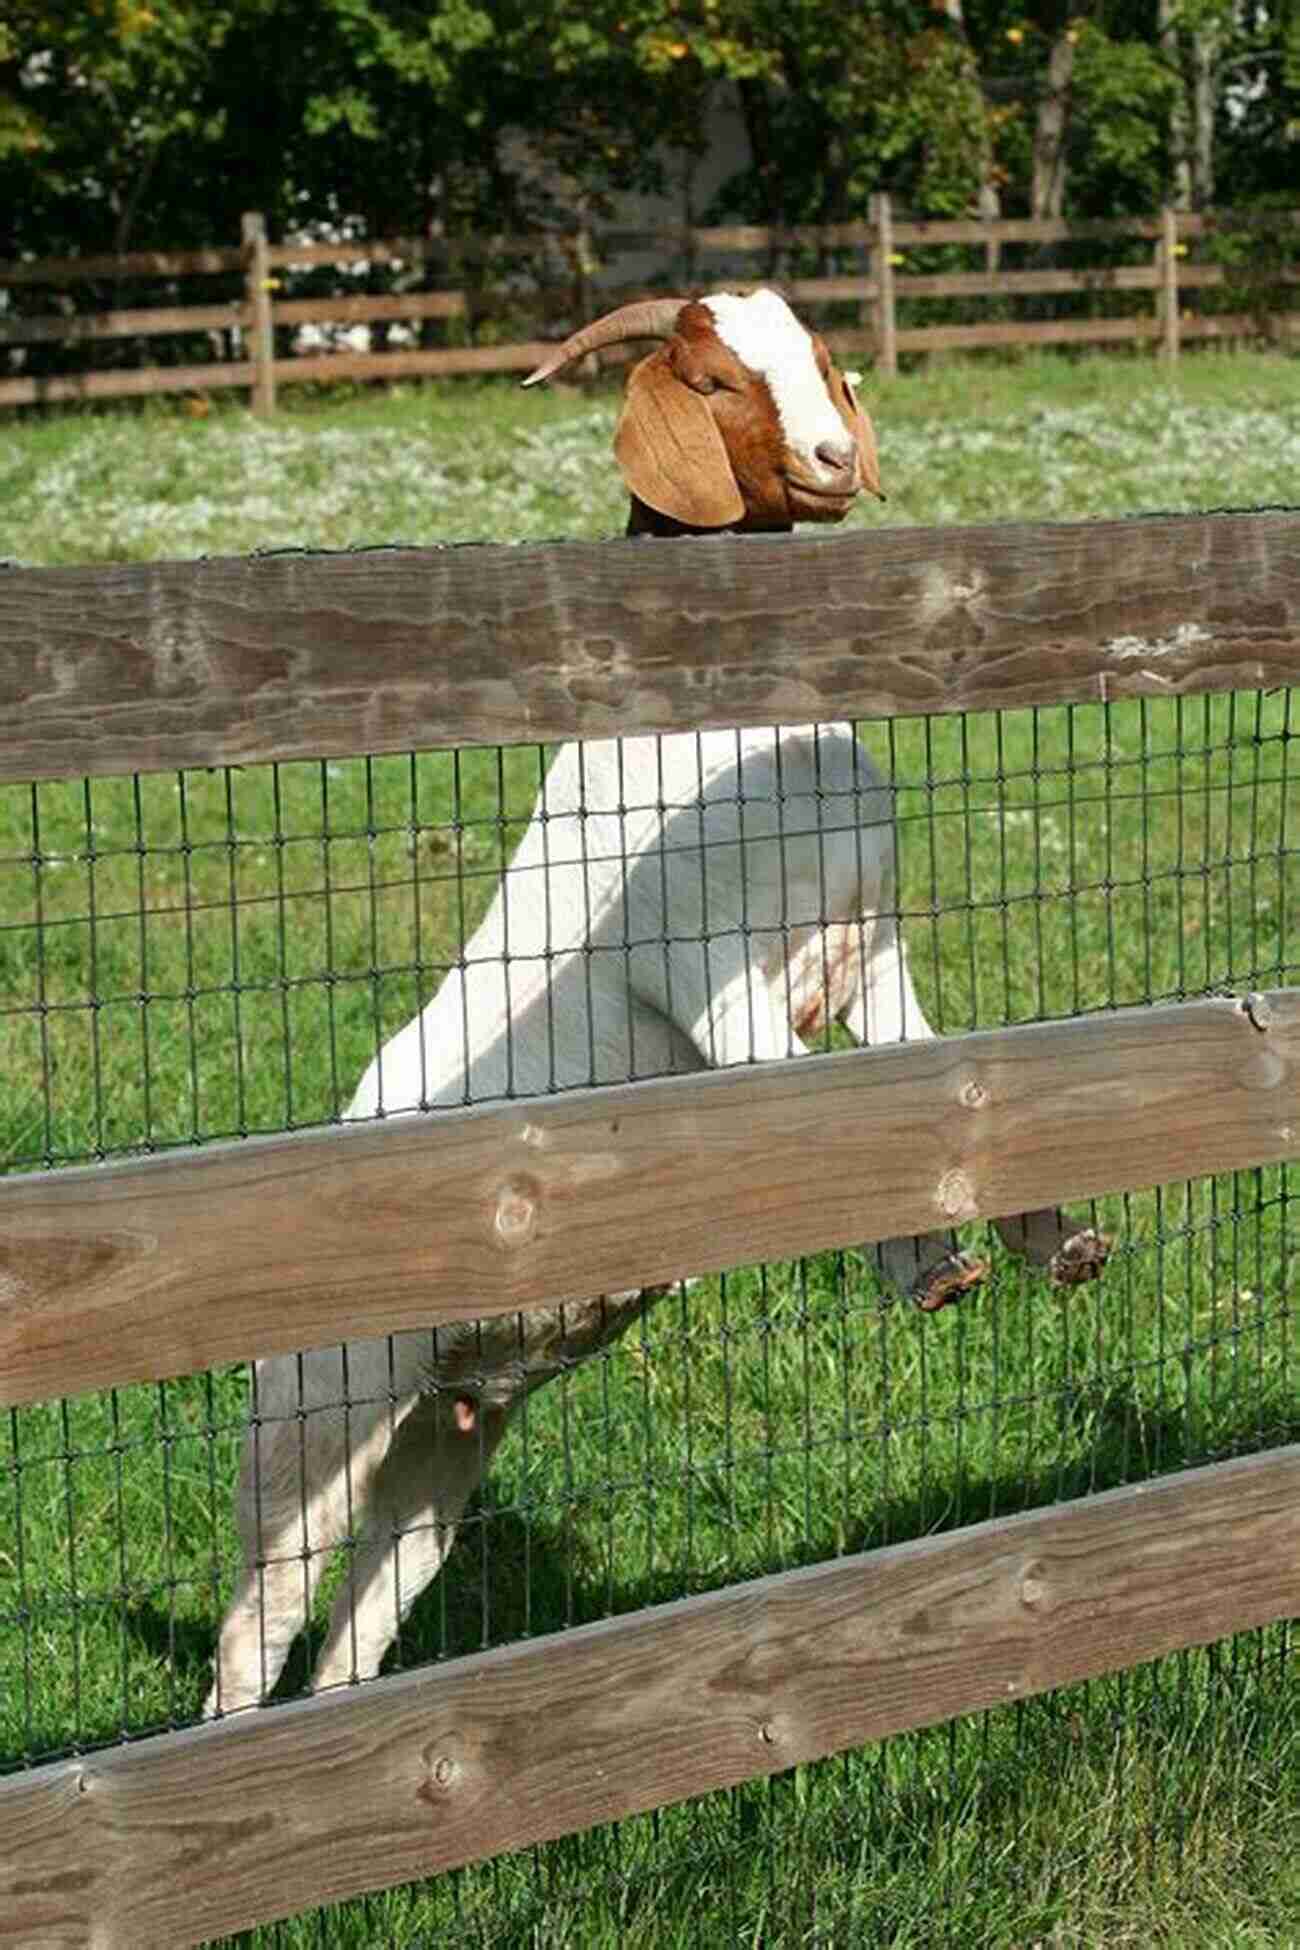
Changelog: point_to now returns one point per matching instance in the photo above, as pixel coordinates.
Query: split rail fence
(151, 1267)
(250, 323)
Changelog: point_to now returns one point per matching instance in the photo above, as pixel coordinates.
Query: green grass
(189, 956)
(465, 461)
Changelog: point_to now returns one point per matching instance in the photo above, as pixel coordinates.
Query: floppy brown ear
(669, 451)
(865, 435)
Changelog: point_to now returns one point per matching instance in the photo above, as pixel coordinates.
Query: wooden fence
(147, 1268)
(251, 322)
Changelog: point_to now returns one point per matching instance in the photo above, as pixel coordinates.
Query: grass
(470, 460)
(189, 956)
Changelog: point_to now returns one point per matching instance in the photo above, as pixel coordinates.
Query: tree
(841, 102)
(131, 122)
(94, 99)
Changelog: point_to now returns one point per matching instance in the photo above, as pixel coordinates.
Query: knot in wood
(955, 1195)
(1033, 1587)
(974, 1095)
(516, 1215)
(441, 1771)
(1259, 1010)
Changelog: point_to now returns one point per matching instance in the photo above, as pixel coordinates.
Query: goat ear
(865, 435)
(868, 455)
(669, 451)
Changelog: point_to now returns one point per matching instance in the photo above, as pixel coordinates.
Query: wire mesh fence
(212, 954)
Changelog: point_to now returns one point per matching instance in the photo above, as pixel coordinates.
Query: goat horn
(651, 318)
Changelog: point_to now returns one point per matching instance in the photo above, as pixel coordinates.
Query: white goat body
(675, 902)
(663, 890)
(684, 873)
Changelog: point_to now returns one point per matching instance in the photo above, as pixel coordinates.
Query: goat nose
(838, 455)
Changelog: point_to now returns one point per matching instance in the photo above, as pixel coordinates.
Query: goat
(741, 420)
(675, 903)
(664, 894)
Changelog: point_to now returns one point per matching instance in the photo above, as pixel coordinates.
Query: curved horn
(651, 318)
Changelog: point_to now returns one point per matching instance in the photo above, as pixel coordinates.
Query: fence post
(257, 287)
(1167, 294)
(582, 262)
(991, 212)
(886, 323)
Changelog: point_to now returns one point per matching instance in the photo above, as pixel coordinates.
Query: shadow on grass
(510, 1578)
(516, 1574)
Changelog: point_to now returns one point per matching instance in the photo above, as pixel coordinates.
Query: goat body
(675, 903)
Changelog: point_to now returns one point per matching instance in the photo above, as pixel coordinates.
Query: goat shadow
(509, 1577)
(513, 1576)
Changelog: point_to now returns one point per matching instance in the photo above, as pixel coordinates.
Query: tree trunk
(1205, 90)
(1047, 185)
(757, 112)
(990, 197)
(1180, 165)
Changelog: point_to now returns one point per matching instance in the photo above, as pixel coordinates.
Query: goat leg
(1071, 1255)
(929, 1270)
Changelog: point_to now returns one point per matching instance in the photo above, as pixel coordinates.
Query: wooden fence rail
(877, 296)
(142, 667)
(150, 1267)
(171, 1840)
(143, 1269)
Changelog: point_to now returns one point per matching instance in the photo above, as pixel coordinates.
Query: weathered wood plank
(443, 361)
(163, 1266)
(109, 670)
(123, 264)
(190, 1835)
(1015, 331)
(367, 305)
(1087, 331)
(1022, 230)
(77, 326)
(120, 385)
(923, 230)
(1022, 284)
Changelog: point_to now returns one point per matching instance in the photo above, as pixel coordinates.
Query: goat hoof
(1082, 1257)
(947, 1281)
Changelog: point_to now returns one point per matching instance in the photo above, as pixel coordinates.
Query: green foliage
(91, 97)
(155, 122)
(1124, 92)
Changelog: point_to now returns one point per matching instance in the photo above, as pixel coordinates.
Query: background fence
(207, 924)
(483, 304)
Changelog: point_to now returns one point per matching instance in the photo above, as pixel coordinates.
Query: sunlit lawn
(463, 461)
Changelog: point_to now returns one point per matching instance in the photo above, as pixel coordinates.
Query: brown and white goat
(675, 903)
(741, 420)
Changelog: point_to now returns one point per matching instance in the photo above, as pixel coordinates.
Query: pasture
(207, 954)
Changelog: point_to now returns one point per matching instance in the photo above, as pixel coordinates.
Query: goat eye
(704, 382)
